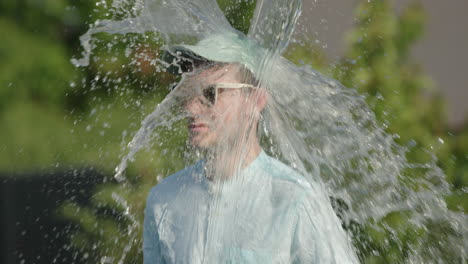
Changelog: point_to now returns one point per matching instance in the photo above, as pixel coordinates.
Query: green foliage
(405, 102)
(402, 96)
(377, 65)
(307, 54)
(238, 12)
(33, 68)
(108, 228)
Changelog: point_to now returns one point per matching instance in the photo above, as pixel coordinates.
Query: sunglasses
(210, 93)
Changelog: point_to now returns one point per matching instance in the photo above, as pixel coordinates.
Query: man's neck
(227, 161)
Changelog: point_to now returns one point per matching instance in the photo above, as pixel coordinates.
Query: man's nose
(194, 105)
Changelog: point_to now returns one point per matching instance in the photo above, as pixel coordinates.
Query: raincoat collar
(246, 176)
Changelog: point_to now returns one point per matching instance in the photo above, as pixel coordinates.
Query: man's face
(228, 119)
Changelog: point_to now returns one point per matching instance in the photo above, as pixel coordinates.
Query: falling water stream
(322, 130)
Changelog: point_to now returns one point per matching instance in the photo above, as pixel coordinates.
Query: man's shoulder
(171, 184)
(284, 174)
(289, 184)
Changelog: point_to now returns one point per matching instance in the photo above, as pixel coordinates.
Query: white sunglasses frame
(227, 85)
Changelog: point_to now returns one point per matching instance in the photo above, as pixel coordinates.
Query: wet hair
(181, 60)
(246, 76)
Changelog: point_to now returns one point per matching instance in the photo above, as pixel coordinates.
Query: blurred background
(64, 129)
(440, 49)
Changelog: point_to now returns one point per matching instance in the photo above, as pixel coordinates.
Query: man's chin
(200, 142)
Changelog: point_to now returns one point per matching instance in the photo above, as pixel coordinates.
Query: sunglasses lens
(210, 94)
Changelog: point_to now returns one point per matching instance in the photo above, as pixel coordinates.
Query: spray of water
(322, 130)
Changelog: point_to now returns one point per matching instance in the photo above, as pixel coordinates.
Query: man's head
(224, 105)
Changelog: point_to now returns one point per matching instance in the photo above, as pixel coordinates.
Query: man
(237, 205)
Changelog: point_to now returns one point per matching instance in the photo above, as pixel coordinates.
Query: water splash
(314, 124)
(163, 115)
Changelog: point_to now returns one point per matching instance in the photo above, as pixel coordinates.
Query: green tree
(402, 96)
(405, 102)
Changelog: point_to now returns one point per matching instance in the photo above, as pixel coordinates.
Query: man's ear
(261, 98)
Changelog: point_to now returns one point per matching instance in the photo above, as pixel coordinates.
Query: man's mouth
(197, 127)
